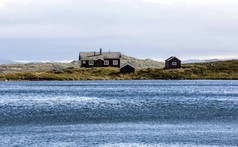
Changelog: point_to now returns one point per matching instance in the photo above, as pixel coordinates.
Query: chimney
(100, 51)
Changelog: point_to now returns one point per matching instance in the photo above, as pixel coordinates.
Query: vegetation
(226, 70)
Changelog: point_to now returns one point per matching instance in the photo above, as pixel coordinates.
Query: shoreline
(122, 80)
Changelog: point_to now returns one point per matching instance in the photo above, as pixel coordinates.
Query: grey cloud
(136, 28)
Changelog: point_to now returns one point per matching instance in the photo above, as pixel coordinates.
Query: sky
(54, 30)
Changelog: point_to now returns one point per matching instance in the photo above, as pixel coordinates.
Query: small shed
(172, 63)
(127, 68)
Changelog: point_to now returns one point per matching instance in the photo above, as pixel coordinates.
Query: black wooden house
(172, 62)
(127, 68)
(100, 59)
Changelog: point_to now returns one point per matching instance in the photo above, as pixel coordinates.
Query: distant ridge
(204, 61)
(14, 67)
(6, 62)
(8, 66)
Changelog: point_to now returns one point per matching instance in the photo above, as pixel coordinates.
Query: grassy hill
(140, 63)
(30, 67)
(226, 70)
(16, 68)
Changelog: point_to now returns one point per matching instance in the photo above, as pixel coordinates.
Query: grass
(224, 70)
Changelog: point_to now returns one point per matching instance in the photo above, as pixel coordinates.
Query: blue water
(119, 113)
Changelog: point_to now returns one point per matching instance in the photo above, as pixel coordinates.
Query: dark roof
(172, 58)
(125, 64)
(97, 55)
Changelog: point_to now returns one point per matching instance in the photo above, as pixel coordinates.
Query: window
(106, 62)
(84, 62)
(91, 62)
(115, 62)
(174, 63)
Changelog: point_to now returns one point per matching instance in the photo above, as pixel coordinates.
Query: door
(99, 63)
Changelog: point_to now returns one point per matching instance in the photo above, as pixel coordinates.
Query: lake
(119, 113)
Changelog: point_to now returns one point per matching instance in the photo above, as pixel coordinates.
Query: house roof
(172, 58)
(125, 64)
(97, 55)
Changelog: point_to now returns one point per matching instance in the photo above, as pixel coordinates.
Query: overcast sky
(58, 29)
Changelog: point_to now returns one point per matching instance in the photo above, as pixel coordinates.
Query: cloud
(141, 27)
(194, 2)
(6, 3)
(167, 2)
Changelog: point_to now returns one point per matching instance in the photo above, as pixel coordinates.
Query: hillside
(30, 67)
(139, 63)
(225, 70)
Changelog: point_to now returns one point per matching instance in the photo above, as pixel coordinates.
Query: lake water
(119, 113)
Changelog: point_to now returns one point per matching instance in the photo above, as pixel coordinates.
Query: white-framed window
(174, 63)
(84, 62)
(106, 62)
(91, 62)
(115, 62)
